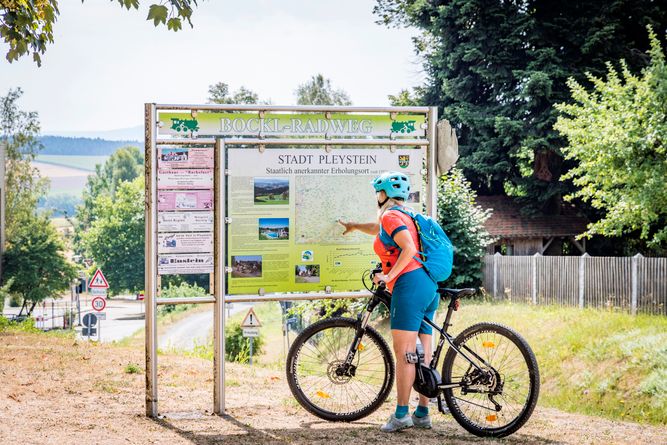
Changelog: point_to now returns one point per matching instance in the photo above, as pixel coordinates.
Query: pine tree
(496, 69)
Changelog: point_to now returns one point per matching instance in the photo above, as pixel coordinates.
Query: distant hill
(119, 134)
(60, 145)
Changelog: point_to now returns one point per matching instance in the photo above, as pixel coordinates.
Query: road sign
(101, 315)
(251, 332)
(89, 332)
(250, 320)
(98, 292)
(99, 303)
(98, 281)
(89, 320)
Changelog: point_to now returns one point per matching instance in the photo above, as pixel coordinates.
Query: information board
(284, 205)
(185, 209)
(185, 264)
(180, 124)
(185, 221)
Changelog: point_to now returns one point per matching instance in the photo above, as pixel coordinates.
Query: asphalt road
(193, 330)
(125, 316)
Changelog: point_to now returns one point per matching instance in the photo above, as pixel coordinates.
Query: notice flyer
(285, 204)
(185, 179)
(185, 157)
(185, 264)
(196, 242)
(185, 200)
(185, 221)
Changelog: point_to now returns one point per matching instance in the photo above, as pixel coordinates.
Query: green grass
(272, 356)
(86, 163)
(592, 362)
(264, 200)
(133, 368)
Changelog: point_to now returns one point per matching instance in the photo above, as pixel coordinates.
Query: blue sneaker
(422, 422)
(394, 424)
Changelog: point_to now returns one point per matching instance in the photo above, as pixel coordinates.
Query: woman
(413, 292)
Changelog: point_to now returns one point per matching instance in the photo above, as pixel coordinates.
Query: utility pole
(3, 186)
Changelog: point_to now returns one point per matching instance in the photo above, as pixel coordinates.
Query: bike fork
(363, 322)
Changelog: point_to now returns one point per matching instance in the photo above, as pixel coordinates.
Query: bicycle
(341, 369)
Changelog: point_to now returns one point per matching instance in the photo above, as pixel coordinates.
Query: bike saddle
(456, 293)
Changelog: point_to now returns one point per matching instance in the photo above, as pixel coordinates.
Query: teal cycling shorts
(414, 295)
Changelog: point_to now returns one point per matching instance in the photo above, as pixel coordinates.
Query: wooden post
(495, 274)
(582, 278)
(635, 283)
(533, 263)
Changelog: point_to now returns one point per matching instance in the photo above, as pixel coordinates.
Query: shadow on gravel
(207, 429)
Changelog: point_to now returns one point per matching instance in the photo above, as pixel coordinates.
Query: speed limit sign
(99, 303)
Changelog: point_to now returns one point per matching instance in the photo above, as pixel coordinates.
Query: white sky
(106, 62)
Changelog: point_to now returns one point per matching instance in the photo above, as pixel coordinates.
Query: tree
(125, 164)
(115, 238)
(495, 69)
(463, 222)
(219, 94)
(319, 91)
(28, 26)
(24, 186)
(34, 267)
(617, 133)
(34, 261)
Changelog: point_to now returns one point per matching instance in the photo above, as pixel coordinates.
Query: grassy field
(86, 163)
(266, 200)
(591, 362)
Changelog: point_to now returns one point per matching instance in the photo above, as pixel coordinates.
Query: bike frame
(381, 295)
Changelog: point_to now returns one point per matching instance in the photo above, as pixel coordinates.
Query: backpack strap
(387, 239)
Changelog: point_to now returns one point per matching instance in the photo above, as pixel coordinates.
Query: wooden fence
(634, 284)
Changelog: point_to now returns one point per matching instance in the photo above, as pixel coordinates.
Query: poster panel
(185, 179)
(185, 221)
(185, 264)
(284, 205)
(185, 157)
(178, 124)
(195, 242)
(185, 200)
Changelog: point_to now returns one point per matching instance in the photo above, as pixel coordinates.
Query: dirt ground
(57, 390)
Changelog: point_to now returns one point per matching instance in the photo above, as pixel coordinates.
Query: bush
(182, 290)
(237, 347)
(133, 368)
(463, 221)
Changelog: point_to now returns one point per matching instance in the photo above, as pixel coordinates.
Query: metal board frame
(152, 280)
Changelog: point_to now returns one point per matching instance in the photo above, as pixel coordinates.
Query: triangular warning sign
(251, 320)
(98, 281)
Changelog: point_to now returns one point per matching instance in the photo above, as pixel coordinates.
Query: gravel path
(58, 390)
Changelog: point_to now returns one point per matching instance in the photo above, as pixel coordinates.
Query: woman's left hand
(380, 277)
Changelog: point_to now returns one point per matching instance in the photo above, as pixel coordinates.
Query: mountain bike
(341, 369)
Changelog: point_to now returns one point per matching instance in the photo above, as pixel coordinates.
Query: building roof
(506, 221)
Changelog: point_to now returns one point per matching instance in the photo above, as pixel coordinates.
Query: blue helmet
(394, 184)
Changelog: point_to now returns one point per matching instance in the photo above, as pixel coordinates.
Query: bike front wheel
(499, 399)
(325, 385)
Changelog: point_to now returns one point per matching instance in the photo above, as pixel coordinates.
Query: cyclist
(413, 292)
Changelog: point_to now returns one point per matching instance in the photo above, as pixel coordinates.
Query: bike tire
(534, 379)
(293, 362)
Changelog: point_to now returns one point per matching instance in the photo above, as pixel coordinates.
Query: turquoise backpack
(436, 250)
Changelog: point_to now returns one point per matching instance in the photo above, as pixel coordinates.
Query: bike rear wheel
(316, 377)
(491, 404)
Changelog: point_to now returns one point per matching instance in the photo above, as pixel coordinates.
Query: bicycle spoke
(316, 371)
